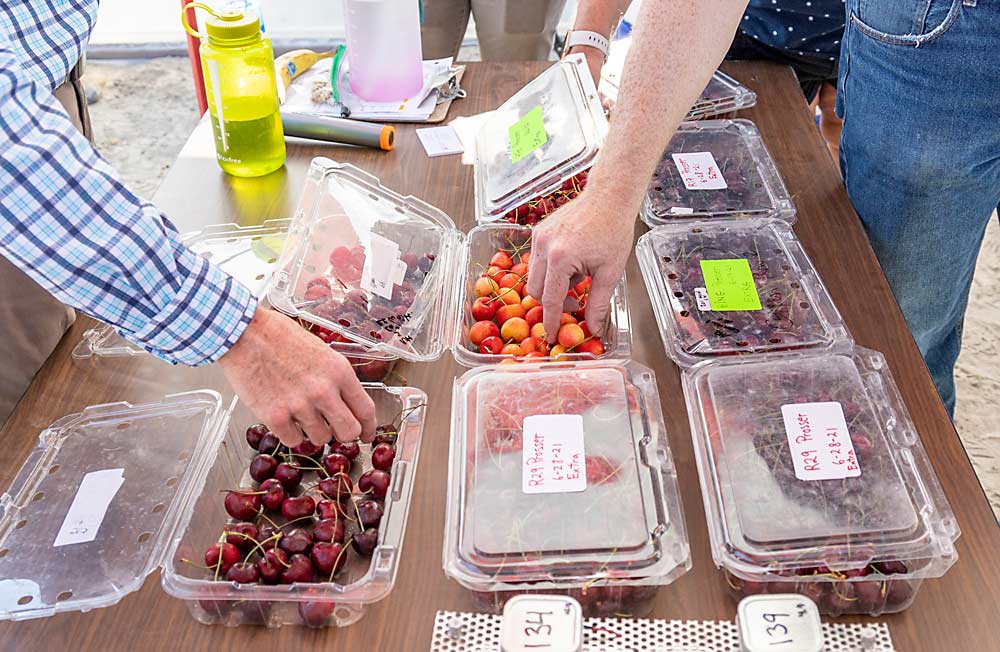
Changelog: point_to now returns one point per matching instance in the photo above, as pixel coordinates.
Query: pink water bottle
(383, 48)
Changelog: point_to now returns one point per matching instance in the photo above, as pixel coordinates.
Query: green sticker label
(527, 134)
(730, 284)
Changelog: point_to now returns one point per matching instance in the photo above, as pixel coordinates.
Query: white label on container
(90, 504)
(699, 171)
(701, 298)
(553, 455)
(380, 267)
(440, 141)
(680, 210)
(785, 622)
(820, 444)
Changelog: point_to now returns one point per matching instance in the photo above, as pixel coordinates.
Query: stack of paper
(302, 95)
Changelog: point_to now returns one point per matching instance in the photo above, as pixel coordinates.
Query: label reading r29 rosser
(553, 457)
(820, 444)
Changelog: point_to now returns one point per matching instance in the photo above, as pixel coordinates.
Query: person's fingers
(281, 423)
(362, 408)
(341, 419)
(554, 293)
(312, 423)
(599, 301)
(538, 264)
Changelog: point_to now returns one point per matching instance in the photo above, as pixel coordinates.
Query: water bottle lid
(232, 28)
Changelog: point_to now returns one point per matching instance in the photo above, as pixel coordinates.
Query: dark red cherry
(298, 507)
(274, 495)
(349, 449)
(336, 463)
(382, 457)
(271, 565)
(375, 482)
(300, 569)
(288, 475)
(364, 542)
(370, 513)
(244, 572)
(325, 555)
(255, 433)
(227, 552)
(242, 535)
(262, 467)
(297, 542)
(329, 530)
(242, 505)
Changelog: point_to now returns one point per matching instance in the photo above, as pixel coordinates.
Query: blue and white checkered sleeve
(68, 222)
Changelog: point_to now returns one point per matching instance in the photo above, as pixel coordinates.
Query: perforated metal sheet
(469, 632)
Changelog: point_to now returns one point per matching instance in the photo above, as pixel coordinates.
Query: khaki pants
(32, 321)
(508, 30)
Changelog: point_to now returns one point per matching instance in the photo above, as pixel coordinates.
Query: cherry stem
(336, 562)
(315, 467)
(294, 520)
(358, 512)
(259, 545)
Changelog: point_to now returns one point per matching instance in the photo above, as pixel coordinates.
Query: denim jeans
(920, 154)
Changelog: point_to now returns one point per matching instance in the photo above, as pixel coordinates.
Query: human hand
(590, 235)
(296, 384)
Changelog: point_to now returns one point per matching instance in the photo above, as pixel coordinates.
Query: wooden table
(957, 612)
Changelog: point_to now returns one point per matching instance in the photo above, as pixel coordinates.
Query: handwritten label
(701, 299)
(699, 171)
(553, 455)
(381, 269)
(86, 513)
(730, 285)
(440, 141)
(549, 623)
(820, 444)
(527, 134)
(786, 622)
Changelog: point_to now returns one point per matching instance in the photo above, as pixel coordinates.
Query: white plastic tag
(541, 622)
(680, 210)
(89, 506)
(699, 171)
(820, 444)
(701, 298)
(553, 454)
(787, 622)
(381, 267)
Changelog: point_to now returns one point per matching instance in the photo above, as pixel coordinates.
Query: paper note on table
(730, 284)
(440, 141)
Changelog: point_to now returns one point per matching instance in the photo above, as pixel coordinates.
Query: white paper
(545, 623)
(414, 109)
(701, 298)
(440, 141)
(86, 513)
(553, 454)
(783, 622)
(680, 210)
(820, 444)
(699, 171)
(380, 268)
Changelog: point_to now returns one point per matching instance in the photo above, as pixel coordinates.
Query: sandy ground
(147, 109)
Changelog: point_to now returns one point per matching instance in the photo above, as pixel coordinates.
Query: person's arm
(71, 225)
(676, 46)
(601, 16)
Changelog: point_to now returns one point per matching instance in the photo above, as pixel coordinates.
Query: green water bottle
(238, 64)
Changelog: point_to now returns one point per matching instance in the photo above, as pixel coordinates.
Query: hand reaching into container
(593, 234)
(296, 384)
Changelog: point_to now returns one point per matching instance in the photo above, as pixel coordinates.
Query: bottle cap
(227, 28)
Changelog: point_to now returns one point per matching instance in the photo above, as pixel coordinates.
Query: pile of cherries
(786, 320)
(307, 507)
(337, 297)
(744, 195)
(839, 592)
(508, 320)
(535, 210)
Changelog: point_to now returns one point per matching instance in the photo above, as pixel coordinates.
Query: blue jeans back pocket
(905, 22)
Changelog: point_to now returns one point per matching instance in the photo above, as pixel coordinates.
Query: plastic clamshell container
(609, 545)
(367, 263)
(175, 457)
(481, 243)
(249, 254)
(723, 95)
(796, 309)
(748, 183)
(575, 127)
(858, 542)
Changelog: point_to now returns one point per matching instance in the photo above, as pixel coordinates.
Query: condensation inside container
(764, 500)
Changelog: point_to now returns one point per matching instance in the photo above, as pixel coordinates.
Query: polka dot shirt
(810, 28)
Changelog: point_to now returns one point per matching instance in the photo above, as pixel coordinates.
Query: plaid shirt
(70, 223)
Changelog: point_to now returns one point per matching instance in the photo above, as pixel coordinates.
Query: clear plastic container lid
(90, 512)
(368, 263)
(723, 94)
(734, 286)
(544, 134)
(811, 459)
(247, 253)
(591, 495)
(716, 168)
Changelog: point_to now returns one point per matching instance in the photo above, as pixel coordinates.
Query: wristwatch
(588, 39)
